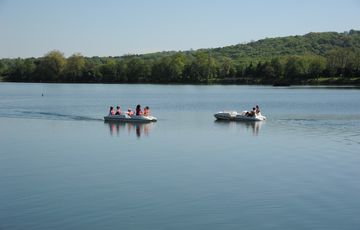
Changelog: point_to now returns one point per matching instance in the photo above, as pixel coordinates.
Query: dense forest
(315, 58)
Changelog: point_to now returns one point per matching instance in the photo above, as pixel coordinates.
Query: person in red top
(138, 110)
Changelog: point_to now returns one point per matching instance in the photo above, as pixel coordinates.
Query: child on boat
(112, 111)
(130, 112)
(146, 111)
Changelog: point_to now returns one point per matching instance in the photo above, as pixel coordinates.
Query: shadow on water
(254, 126)
(139, 129)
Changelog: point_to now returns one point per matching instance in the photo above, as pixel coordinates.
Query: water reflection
(254, 126)
(140, 129)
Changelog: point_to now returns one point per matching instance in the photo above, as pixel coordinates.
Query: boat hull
(126, 118)
(235, 116)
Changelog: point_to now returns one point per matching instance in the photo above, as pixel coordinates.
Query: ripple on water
(342, 129)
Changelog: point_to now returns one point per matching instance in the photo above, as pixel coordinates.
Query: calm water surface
(62, 167)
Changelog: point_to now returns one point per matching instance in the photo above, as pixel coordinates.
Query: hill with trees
(314, 58)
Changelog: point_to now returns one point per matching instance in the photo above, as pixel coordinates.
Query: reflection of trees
(138, 128)
(254, 126)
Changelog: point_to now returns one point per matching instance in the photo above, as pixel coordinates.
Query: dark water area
(63, 167)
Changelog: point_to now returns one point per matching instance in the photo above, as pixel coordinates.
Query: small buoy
(42, 94)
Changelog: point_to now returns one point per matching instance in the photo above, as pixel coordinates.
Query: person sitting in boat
(118, 111)
(130, 112)
(257, 109)
(138, 111)
(146, 111)
(251, 113)
(112, 111)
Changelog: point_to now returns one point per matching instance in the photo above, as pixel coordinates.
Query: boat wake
(67, 116)
(49, 116)
(340, 128)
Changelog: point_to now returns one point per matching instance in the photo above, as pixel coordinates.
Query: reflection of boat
(127, 118)
(248, 125)
(129, 127)
(235, 116)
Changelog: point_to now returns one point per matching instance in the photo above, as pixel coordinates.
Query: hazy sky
(31, 28)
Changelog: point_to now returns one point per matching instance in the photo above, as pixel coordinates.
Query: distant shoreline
(326, 58)
(337, 82)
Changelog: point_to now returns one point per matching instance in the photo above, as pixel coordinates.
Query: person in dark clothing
(118, 111)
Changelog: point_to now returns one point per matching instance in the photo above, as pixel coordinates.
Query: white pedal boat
(127, 118)
(235, 116)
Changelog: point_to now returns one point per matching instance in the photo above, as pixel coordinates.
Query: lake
(62, 167)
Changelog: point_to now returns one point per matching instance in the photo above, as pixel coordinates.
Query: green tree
(168, 69)
(317, 66)
(21, 70)
(74, 68)
(108, 71)
(337, 60)
(3, 68)
(249, 72)
(240, 69)
(138, 70)
(176, 67)
(278, 67)
(160, 71)
(91, 71)
(121, 71)
(294, 69)
(203, 68)
(267, 73)
(51, 66)
(356, 63)
(227, 68)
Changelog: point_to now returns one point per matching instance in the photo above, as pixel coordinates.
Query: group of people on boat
(129, 112)
(255, 111)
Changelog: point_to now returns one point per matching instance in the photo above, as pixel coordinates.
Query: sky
(32, 28)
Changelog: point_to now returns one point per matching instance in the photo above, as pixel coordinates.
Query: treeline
(315, 58)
